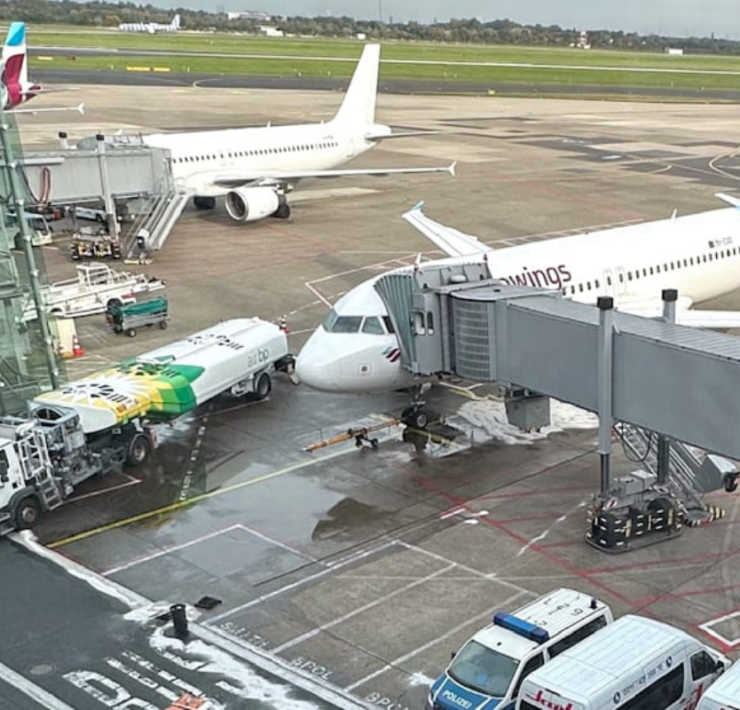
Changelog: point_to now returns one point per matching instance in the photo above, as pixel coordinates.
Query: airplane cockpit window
(334, 323)
(373, 326)
(388, 324)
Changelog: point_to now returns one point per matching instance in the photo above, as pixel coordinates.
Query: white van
(488, 670)
(725, 693)
(41, 232)
(634, 664)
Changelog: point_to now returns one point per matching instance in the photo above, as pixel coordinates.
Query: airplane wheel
(283, 211)
(730, 483)
(415, 418)
(204, 203)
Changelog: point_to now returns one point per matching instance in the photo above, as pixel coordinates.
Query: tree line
(105, 14)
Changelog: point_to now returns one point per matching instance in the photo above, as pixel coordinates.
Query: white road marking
(33, 691)
(359, 610)
(420, 649)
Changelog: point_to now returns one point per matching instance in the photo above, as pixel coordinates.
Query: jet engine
(248, 204)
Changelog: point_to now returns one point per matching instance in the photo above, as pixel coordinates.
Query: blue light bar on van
(520, 627)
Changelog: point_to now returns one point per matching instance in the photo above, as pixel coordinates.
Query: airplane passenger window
(629, 276)
(608, 280)
(580, 288)
(596, 284)
(621, 278)
(372, 325)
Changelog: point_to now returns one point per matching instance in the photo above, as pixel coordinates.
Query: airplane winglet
(452, 168)
(80, 108)
(417, 207)
(729, 199)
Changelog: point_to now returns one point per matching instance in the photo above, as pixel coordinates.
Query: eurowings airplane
(255, 168)
(150, 27)
(355, 350)
(15, 87)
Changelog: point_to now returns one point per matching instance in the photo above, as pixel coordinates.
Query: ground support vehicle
(128, 319)
(45, 457)
(87, 244)
(103, 421)
(95, 286)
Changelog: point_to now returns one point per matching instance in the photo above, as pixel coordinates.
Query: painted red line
(534, 492)
(694, 593)
(706, 557)
(559, 561)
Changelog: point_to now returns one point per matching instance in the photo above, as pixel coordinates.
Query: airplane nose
(314, 364)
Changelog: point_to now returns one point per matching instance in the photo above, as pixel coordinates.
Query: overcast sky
(667, 17)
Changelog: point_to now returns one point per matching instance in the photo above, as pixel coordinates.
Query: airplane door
(620, 283)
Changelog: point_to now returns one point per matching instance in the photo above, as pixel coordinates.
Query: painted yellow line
(196, 499)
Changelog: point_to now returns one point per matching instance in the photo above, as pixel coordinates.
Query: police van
(725, 693)
(488, 670)
(634, 664)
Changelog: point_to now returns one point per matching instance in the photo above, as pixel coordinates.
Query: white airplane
(15, 86)
(150, 27)
(355, 350)
(254, 168)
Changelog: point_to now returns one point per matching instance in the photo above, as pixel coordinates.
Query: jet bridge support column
(606, 381)
(670, 296)
(110, 205)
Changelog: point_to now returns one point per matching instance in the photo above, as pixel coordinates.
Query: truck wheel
(264, 386)
(139, 449)
(163, 325)
(27, 513)
(131, 332)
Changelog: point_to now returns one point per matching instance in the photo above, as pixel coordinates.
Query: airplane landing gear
(204, 203)
(283, 211)
(415, 415)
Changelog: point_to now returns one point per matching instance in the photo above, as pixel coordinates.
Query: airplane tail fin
(14, 58)
(358, 107)
(176, 22)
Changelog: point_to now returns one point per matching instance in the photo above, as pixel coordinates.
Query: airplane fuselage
(355, 349)
(199, 158)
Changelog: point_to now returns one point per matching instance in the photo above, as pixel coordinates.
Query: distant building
(674, 51)
(254, 15)
(361, 36)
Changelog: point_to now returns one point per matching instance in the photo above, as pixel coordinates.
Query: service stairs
(691, 473)
(157, 225)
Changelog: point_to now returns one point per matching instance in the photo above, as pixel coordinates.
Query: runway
(399, 87)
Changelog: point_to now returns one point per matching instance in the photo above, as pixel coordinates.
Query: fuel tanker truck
(107, 419)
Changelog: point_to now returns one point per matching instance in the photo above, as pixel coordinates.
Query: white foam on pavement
(487, 419)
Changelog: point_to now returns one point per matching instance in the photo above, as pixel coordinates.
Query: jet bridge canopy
(678, 381)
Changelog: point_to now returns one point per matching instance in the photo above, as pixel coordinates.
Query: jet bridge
(655, 379)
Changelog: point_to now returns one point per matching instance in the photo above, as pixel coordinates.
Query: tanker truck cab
(724, 694)
(634, 664)
(489, 669)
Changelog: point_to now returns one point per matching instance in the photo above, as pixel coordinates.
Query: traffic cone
(77, 349)
(284, 324)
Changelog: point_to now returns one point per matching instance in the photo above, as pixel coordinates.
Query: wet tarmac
(363, 568)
